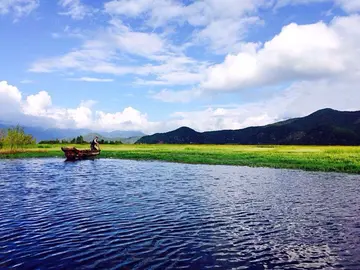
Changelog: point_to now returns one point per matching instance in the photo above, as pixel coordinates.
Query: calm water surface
(116, 214)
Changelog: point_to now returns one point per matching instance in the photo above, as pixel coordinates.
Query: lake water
(119, 214)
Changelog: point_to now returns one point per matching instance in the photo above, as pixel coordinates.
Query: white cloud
(88, 103)
(300, 99)
(298, 52)
(166, 95)
(69, 32)
(128, 7)
(128, 119)
(91, 79)
(82, 60)
(38, 109)
(100, 52)
(225, 35)
(104, 52)
(26, 81)
(197, 13)
(19, 8)
(136, 43)
(75, 9)
(10, 97)
(221, 118)
(37, 104)
(221, 24)
(350, 6)
(82, 116)
(174, 78)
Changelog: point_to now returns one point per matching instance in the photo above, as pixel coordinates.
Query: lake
(120, 214)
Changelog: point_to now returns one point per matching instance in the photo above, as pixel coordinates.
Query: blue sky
(155, 65)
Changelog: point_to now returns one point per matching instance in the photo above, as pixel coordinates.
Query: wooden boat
(72, 153)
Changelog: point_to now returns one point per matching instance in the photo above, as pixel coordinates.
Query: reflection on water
(117, 214)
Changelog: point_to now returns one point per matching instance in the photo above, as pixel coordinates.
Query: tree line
(78, 140)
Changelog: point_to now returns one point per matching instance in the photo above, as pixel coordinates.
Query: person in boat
(94, 145)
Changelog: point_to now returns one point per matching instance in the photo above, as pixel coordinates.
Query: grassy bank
(314, 158)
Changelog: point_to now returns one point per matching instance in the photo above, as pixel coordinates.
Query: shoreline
(339, 159)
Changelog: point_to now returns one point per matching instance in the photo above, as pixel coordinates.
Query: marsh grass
(313, 158)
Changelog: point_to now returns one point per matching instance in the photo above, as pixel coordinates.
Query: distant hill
(126, 140)
(130, 140)
(42, 134)
(324, 127)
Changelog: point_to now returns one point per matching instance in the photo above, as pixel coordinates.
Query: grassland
(313, 158)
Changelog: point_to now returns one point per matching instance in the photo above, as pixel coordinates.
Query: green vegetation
(109, 142)
(79, 140)
(15, 138)
(315, 158)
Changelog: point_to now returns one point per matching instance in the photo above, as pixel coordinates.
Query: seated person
(94, 145)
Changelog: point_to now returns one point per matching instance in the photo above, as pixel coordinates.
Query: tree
(80, 139)
(16, 138)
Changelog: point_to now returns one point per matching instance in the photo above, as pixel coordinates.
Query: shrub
(50, 142)
(2, 135)
(44, 146)
(16, 138)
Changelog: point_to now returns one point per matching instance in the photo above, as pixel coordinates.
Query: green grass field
(314, 158)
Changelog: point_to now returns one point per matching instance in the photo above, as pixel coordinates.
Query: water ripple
(116, 214)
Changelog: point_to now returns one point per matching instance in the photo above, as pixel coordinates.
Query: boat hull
(72, 153)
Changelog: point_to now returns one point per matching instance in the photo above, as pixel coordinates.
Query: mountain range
(42, 134)
(323, 127)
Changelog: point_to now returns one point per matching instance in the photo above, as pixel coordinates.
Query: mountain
(122, 134)
(183, 135)
(130, 140)
(41, 134)
(324, 127)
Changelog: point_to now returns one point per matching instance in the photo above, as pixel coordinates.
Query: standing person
(94, 145)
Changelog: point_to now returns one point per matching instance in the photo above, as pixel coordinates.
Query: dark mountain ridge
(323, 127)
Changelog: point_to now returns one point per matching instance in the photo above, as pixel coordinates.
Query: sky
(156, 65)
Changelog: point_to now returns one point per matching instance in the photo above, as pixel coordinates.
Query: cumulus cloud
(299, 99)
(38, 109)
(10, 97)
(298, 52)
(37, 104)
